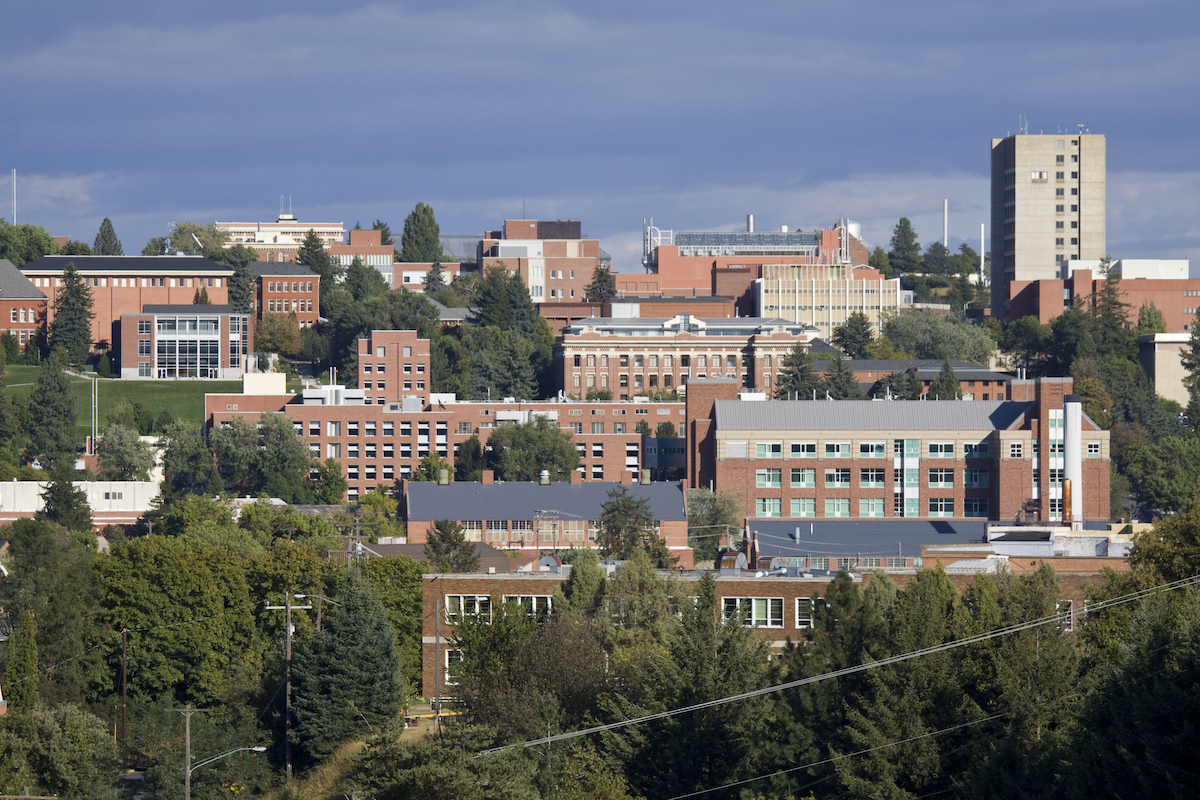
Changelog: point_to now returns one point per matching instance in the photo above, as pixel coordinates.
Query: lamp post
(188, 767)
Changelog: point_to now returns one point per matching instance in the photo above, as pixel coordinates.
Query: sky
(692, 113)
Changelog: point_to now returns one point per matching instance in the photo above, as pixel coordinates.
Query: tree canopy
(905, 253)
(520, 451)
(421, 239)
(107, 243)
(71, 328)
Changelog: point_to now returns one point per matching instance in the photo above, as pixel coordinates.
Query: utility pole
(287, 672)
(124, 684)
(187, 712)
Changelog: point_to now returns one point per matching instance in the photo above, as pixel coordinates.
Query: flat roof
(186, 264)
(892, 416)
(875, 538)
(428, 501)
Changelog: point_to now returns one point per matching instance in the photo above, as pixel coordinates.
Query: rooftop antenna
(14, 184)
(281, 205)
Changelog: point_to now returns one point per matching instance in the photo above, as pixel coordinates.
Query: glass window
(804, 450)
(941, 449)
(870, 507)
(941, 478)
(768, 450)
(768, 507)
(803, 478)
(941, 506)
(769, 478)
(837, 506)
(870, 449)
(975, 478)
(975, 507)
(804, 507)
(756, 612)
(871, 478)
(837, 478)
(1014, 450)
(804, 612)
(837, 450)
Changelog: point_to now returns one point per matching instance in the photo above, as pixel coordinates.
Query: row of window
(839, 507)
(129, 283)
(285, 306)
(296, 286)
(26, 315)
(909, 448)
(869, 478)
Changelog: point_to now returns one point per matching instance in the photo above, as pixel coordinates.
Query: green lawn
(184, 399)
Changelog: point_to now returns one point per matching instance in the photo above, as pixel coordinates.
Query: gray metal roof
(191, 264)
(521, 501)
(280, 268)
(864, 415)
(886, 537)
(15, 286)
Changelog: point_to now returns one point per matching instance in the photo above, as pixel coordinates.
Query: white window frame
(756, 612)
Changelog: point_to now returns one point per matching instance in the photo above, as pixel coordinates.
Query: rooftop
(860, 415)
(733, 243)
(15, 286)
(189, 308)
(190, 265)
(280, 268)
(522, 501)
(876, 538)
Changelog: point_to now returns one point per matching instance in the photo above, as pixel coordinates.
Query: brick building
(560, 315)
(125, 284)
(629, 356)
(287, 287)
(553, 258)
(280, 240)
(367, 246)
(184, 341)
(22, 305)
(976, 381)
(1035, 455)
(530, 519)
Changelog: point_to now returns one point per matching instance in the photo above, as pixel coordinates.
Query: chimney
(443, 477)
(749, 223)
(576, 477)
(645, 477)
(1073, 458)
(544, 477)
(489, 476)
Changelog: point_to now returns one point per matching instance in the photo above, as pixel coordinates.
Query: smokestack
(1073, 458)
(749, 223)
(946, 223)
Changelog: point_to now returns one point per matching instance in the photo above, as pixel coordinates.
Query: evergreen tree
(434, 281)
(346, 678)
(421, 240)
(495, 300)
(241, 283)
(855, 336)
(627, 526)
(914, 388)
(1111, 329)
(468, 464)
(107, 243)
(946, 386)
(53, 435)
(312, 254)
(72, 325)
(62, 502)
(385, 231)
(202, 297)
(797, 379)
(21, 666)
(840, 382)
(938, 260)
(602, 286)
(364, 281)
(447, 548)
(1189, 357)
(523, 315)
(905, 255)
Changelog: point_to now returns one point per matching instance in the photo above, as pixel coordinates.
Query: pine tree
(346, 679)
(914, 388)
(53, 435)
(107, 243)
(202, 297)
(21, 666)
(72, 325)
(905, 255)
(385, 231)
(797, 380)
(448, 550)
(495, 301)
(468, 464)
(63, 503)
(241, 289)
(946, 386)
(1111, 329)
(602, 287)
(312, 253)
(434, 280)
(421, 240)
(157, 246)
(840, 382)
(627, 526)
(855, 336)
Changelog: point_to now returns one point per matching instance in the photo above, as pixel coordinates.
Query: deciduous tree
(1150, 319)
(520, 451)
(627, 525)
(708, 511)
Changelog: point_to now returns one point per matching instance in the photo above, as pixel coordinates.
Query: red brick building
(553, 258)
(124, 284)
(286, 288)
(187, 341)
(22, 305)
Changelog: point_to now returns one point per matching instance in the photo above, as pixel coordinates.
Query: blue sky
(692, 113)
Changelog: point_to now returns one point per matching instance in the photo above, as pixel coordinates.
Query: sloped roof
(280, 268)
(865, 415)
(428, 501)
(15, 286)
(189, 264)
(876, 538)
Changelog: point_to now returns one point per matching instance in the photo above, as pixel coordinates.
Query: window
(144, 369)
(870, 507)
(941, 450)
(352, 451)
(804, 612)
(804, 507)
(768, 507)
(974, 478)
(804, 450)
(597, 427)
(837, 507)
(459, 606)
(768, 450)
(837, 450)
(804, 478)
(871, 478)
(870, 449)
(143, 326)
(755, 612)
(941, 506)
(389, 428)
(912, 478)
(975, 507)
(979, 450)
(144, 347)
(333, 428)
(1014, 450)
(768, 478)
(1093, 450)
(837, 478)
(370, 427)
(314, 428)
(941, 478)
(536, 605)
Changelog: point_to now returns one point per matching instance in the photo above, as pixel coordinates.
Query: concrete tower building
(1048, 207)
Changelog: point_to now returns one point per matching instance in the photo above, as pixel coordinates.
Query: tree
(385, 231)
(201, 298)
(1071, 339)
(520, 451)
(840, 382)
(346, 678)
(157, 246)
(54, 435)
(63, 504)
(421, 240)
(643, 428)
(924, 334)
(434, 281)
(879, 260)
(855, 336)
(278, 333)
(312, 254)
(602, 286)
(468, 464)
(396, 581)
(363, 281)
(938, 260)
(1150, 319)
(61, 751)
(21, 665)
(905, 255)
(712, 517)
(122, 456)
(188, 464)
(21, 244)
(966, 260)
(75, 249)
(72, 325)
(1027, 341)
(107, 243)
(946, 386)
(430, 468)
(1111, 330)
(797, 379)
(666, 430)
(184, 237)
(448, 550)
(627, 526)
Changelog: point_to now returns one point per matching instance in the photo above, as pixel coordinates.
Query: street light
(189, 767)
